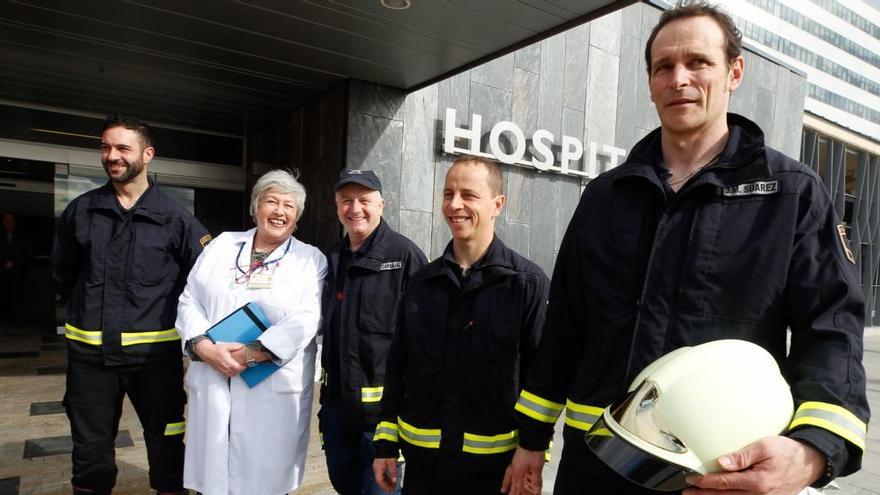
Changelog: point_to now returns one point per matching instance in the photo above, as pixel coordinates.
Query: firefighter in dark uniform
(122, 253)
(368, 270)
(469, 326)
(704, 233)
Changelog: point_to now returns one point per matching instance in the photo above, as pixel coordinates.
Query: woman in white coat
(242, 440)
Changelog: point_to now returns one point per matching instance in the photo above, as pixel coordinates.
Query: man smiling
(368, 270)
(469, 326)
(123, 251)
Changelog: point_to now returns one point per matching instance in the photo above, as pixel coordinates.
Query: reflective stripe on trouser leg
(175, 428)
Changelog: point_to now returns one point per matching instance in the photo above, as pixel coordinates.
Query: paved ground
(34, 430)
(32, 381)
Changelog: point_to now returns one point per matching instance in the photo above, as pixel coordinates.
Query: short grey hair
(283, 181)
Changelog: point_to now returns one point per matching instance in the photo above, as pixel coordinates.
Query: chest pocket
(616, 251)
(736, 263)
(426, 315)
(494, 329)
(377, 302)
(151, 259)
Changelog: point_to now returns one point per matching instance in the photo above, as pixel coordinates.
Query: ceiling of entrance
(233, 66)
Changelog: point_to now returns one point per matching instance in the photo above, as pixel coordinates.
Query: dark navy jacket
(124, 274)
(459, 359)
(353, 358)
(748, 248)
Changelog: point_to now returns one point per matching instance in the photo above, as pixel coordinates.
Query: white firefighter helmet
(689, 408)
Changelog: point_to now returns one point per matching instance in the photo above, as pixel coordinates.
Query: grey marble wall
(588, 82)
(312, 141)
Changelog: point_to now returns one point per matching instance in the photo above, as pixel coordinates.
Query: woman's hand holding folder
(219, 356)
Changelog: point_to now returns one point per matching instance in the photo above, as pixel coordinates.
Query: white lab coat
(242, 440)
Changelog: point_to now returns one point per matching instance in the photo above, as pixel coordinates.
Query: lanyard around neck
(264, 264)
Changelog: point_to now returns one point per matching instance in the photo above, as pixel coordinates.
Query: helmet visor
(635, 464)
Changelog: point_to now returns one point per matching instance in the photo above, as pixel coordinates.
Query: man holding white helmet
(659, 440)
(704, 233)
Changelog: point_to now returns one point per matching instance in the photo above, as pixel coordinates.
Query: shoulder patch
(844, 243)
(760, 187)
(390, 265)
(205, 240)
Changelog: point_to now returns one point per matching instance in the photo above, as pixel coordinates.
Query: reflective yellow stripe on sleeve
(833, 418)
(580, 416)
(420, 437)
(371, 394)
(149, 337)
(73, 333)
(537, 408)
(494, 444)
(387, 430)
(175, 428)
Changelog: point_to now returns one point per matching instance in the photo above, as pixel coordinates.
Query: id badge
(262, 279)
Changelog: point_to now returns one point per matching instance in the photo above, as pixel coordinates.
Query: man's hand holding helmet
(772, 465)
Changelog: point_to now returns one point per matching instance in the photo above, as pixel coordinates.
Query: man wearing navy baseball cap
(366, 178)
(368, 270)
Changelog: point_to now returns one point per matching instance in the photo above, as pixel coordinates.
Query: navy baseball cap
(365, 178)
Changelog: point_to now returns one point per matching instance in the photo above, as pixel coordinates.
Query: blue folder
(245, 325)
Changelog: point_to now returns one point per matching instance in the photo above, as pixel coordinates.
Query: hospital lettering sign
(507, 143)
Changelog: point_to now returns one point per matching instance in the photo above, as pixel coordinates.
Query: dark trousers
(349, 450)
(423, 480)
(93, 401)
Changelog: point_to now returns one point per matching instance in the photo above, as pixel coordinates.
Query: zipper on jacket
(661, 224)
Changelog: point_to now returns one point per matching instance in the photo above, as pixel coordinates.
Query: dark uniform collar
(371, 254)
(495, 262)
(373, 245)
(742, 160)
(149, 205)
(365, 246)
(497, 254)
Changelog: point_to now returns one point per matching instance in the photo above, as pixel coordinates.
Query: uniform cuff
(386, 449)
(828, 444)
(534, 440)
